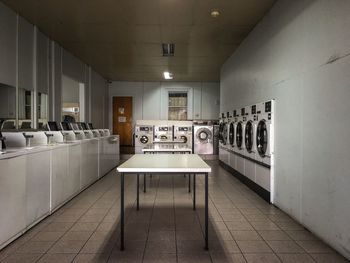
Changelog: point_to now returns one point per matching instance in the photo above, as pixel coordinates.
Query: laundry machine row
(250, 143)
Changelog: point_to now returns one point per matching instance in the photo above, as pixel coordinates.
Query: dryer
(163, 133)
(232, 140)
(264, 132)
(183, 134)
(265, 144)
(239, 149)
(143, 137)
(249, 132)
(203, 142)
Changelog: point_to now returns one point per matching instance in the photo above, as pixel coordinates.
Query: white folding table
(164, 164)
(167, 148)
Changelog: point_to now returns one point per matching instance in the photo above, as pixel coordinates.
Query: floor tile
(67, 246)
(253, 247)
(194, 258)
(245, 235)
(227, 258)
(315, 247)
(91, 258)
(327, 258)
(273, 235)
(300, 235)
(159, 258)
(21, 258)
(285, 247)
(47, 236)
(35, 247)
(262, 258)
(293, 258)
(57, 258)
(77, 235)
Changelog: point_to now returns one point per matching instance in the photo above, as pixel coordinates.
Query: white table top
(164, 163)
(167, 148)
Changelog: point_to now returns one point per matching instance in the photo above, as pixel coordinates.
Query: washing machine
(203, 142)
(163, 133)
(239, 143)
(264, 139)
(249, 132)
(143, 137)
(183, 134)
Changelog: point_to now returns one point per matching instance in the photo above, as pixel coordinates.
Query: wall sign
(121, 119)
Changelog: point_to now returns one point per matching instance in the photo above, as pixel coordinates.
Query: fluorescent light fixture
(215, 13)
(168, 75)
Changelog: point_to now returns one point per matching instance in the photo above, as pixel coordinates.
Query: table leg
(138, 192)
(194, 191)
(206, 211)
(144, 183)
(189, 183)
(122, 212)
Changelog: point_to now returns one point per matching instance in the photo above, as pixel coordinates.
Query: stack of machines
(247, 146)
(197, 136)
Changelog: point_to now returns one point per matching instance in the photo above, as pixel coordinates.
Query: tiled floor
(243, 227)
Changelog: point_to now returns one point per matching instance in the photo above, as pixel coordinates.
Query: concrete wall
(298, 55)
(150, 99)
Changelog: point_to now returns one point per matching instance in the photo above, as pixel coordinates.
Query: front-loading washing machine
(163, 133)
(203, 141)
(249, 142)
(143, 137)
(264, 139)
(239, 149)
(183, 134)
(232, 140)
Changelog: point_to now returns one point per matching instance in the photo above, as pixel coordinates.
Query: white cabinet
(25, 54)
(37, 186)
(89, 162)
(108, 154)
(59, 177)
(12, 198)
(72, 185)
(8, 39)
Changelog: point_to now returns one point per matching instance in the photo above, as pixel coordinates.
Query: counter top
(164, 163)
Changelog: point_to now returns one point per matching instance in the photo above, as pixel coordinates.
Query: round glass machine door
(262, 138)
(239, 135)
(224, 134)
(231, 134)
(204, 135)
(144, 139)
(249, 136)
(221, 130)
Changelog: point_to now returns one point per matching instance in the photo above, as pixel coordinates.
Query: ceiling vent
(168, 50)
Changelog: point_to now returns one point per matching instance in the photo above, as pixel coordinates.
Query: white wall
(150, 99)
(288, 57)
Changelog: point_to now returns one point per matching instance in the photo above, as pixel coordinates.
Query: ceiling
(121, 39)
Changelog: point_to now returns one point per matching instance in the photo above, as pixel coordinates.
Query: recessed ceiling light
(168, 49)
(168, 75)
(215, 13)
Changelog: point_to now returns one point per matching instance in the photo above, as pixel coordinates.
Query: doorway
(122, 123)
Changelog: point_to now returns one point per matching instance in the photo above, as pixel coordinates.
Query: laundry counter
(36, 181)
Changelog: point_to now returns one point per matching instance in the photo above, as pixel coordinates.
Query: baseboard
(263, 193)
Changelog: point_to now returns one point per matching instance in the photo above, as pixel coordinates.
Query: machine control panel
(242, 111)
(163, 129)
(234, 113)
(268, 106)
(184, 129)
(254, 109)
(145, 129)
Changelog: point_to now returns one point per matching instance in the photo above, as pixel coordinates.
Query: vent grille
(168, 50)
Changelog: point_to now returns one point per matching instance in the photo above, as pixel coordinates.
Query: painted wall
(150, 99)
(298, 55)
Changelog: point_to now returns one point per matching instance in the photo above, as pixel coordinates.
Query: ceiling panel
(122, 39)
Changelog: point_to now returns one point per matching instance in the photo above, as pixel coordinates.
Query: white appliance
(183, 134)
(264, 132)
(249, 132)
(203, 139)
(239, 149)
(143, 137)
(163, 133)
(223, 131)
(265, 144)
(232, 140)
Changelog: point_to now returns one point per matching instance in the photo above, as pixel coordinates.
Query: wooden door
(122, 119)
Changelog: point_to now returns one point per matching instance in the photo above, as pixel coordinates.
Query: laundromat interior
(174, 131)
